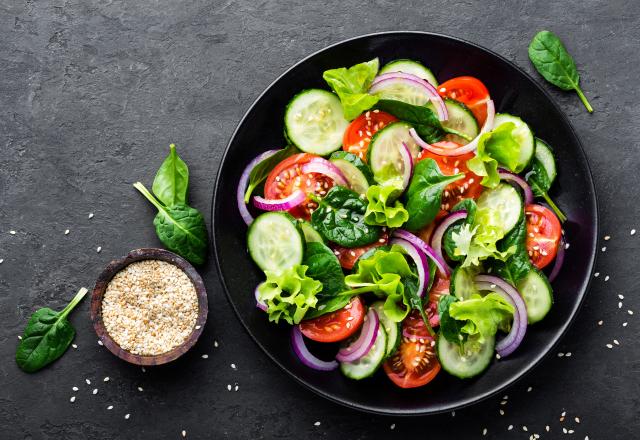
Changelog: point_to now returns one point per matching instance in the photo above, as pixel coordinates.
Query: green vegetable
(450, 328)
(540, 185)
(352, 85)
(382, 210)
(517, 265)
(553, 62)
(424, 194)
(261, 170)
(47, 336)
(180, 228)
(172, 179)
(494, 148)
(340, 218)
(483, 315)
(289, 294)
(448, 244)
(324, 266)
(327, 305)
(422, 118)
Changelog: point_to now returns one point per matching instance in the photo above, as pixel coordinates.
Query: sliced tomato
(414, 364)
(337, 325)
(287, 176)
(358, 135)
(543, 235)
(468, 187)
(470, 91)
(348, 256)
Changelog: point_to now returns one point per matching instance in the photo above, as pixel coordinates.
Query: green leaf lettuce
(352, 84)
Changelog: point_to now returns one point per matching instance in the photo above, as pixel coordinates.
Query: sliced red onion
(285, 204)
(420, 259)
(512, 177)
(412, 336)
(407, 165)
(440, 264)
(559, 260)
(471, 146)
(436, 240)
(244, 182)
(323, 166)
(362, 345)
(508, 344)
(305, 356)
(259, 303)
(389, 79)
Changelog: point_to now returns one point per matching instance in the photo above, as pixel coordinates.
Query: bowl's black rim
(466, 402)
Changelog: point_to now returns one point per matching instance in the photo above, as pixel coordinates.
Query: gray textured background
(91, 94)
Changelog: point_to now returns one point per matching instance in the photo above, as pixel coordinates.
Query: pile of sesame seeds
(150, 307)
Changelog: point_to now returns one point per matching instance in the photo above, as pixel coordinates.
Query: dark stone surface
(92, 93)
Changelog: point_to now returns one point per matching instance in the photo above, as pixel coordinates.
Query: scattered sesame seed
(205, 356)
(560, 354)
(564, 430)
(609, 346)
(144, 370)
(1, 260)
(12, 232)
(73, 399)
(501, 412)
(236, 388)
(606, 278)
(498, 356)
(633, 232)
(529, 389)
(630, 312)
(600, 322)
(95, 391)
(184, 433)
(91, 215)
(484, 431)
(571, 431)
(577, 419)
(88, 381)
(98, 249)
(524, 428)
(568, 354)
(596, 275)
(106, 379)
(564, 413)
(100, 342)
(620, 304)
(604, 248)
(229, 387)
(140, 389)
(198, 327)
(607, 238)
(66, 232)
(615, 341)
(453, 413)
(546, 428)
(20, 337)
(510, 428)
(234, 366)
(504, 402)
(566, 245)
(586, 437)
(316, 424)
(75, 388)
(624, 324)
(393, 426)
(621, 296)
(126, 416)
(215, 344)
(110, 407)
(505, 397)
(74, 346)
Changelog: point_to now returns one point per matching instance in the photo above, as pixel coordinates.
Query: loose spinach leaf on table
(553, 62)
(425, 193)
(540, 184)
(172, 180)
(424, 121)
(340, 218)
(324, 266)
(47, 336)
(262, 169)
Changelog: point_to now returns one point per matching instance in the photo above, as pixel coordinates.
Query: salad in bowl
(406, 224)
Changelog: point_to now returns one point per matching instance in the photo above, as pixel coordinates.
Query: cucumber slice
(506, 201)
(412, 67)
(470, 360)
(274, 242)
(462, 284)
(369, 363)
(391, 328)
(354, 169)
(537, 294)
(461, 119)
(522, 135)
(309, 233)
(409, 92)
(314, 122)
(545, 155)
(384, 151)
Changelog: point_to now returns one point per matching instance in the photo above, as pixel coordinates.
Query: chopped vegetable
(384, 209)
(352, 85)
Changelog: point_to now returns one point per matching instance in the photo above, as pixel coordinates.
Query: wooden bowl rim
(117, 265)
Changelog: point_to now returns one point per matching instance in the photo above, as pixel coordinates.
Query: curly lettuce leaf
(483, 315)
(351, 86)
(497, 147)
(382, 210)
(289, 294)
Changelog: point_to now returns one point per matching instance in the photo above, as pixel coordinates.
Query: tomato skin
(348, 256)
(468, 187)
(359, 132)
(414, 364)
(335, 326)
(543, 235)
(470, 91)
(287, 176)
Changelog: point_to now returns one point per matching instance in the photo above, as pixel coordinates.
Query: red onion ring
(362, 345)
(512, 177)
(420, 259)
(407, 165)
(471, 146)
(244, 182)
(323, 166)
(291, 201)
(559, 261)
(436, 240)
(389, 79)
(509, 343)
(259, 303)
(413, 337)
(429, 252)
(305, 355)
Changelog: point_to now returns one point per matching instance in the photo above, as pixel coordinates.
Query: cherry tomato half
(337, 325)
(543, 235)
(358, 135)
(414, 364)
(348, 256)
(470, 91)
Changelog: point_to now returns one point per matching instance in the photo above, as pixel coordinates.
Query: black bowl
(514, 92)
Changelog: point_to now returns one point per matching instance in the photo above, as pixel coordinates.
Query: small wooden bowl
(114, 267)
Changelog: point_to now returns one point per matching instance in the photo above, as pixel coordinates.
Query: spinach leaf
(448, 243)
(340, 218)
(449, 328)
(421, 118)
(432, 273)
(324, 266)
(47, 336)
(517, 265)
(172, 179)
(540, 185)
(326, 305)
(494, 148)
(553, 62)
(352, 86)
(425, 193)
(383, 208)
(261, 171)
(180, 228)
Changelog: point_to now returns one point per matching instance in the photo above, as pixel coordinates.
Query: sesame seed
(571, 431)
(100, 342)
(95, 391)
(624, 324)
(529, 389)
(88, 381)
(198, 327)
(505, 397)
(215, 344)
(98, 249)
(604, 248)
(66, 232)
(615, 341)
(607, 238)
(110, 407)
(606, 278)
(621, 296)
(596, 275)
(316, 424)
(524, 428)
(510, 428)
(234, 366)
(600, 322)
(20, 337)
(12, 232)
(484, 431)
(501, 412)
(74, 346)
(91, 215)
(609, 346)
(106, 379)
(184, 433)
(498, 356)
(568, 354)
(564, 430)
(75, 388)
(236, 388)
(566, 245)
(205, 356)
(564, 413)
(453, 413)
(229, 387)
(144, 370)
(73, 399)
(504, 402)
(546, 428)
(393, 426)
(560, 354)
(577, 419)
(633, 232)
(630, 312)
(1, 260)
(126, 416)
(620, 304)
